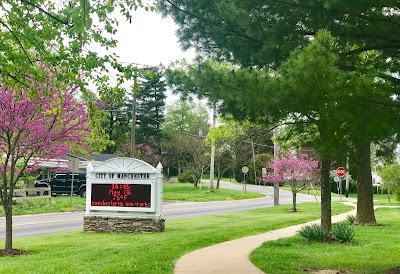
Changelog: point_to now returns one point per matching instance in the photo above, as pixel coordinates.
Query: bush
(351, 219)
(185, 177)
(342, 232)
(312, 233)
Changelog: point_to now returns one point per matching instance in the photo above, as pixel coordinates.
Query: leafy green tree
(185, 126)
(310, 89)
(57, 34)
(234, 143)
(390, 174)
(67, 36)
(115, 118)
(297, 136)
(263, 34)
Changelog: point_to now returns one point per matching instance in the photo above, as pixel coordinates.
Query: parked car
(60, 183)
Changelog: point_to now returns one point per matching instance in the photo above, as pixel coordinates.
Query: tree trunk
(326, 209)
(8, 214)
(294, 197)
(365, 191)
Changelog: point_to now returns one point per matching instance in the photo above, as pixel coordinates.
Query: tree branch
(47, 13)
(231, 31)
(18, 41)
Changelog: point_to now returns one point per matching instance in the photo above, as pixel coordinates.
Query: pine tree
(150, 110)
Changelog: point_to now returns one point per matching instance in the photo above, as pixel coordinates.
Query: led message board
(121, 195)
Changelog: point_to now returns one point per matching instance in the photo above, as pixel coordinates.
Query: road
(30, 225)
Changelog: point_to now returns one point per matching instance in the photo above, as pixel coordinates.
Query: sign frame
(151, 183)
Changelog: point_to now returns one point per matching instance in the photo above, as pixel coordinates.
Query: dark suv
(60, 183)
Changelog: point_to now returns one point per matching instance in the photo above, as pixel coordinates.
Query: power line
(189, 134)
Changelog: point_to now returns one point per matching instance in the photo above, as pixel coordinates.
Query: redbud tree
(296, 170)
(36, 122)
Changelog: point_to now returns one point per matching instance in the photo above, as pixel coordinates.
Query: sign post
(74, 165)
(340, 172)
(245, 169)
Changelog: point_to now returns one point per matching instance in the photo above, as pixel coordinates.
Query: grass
(174, 191)
(382, 200)
(223, 179)
(187, 192)
(310, 191)
(79, 252)
(43, 205)
(375, 250)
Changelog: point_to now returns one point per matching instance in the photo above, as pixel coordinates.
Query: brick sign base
(122, 225)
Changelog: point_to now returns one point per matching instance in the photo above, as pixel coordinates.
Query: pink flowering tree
(296, 170)
(36, 122)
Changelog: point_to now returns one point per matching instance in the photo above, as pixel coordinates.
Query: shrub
(312, 233)
(185, 178)
(351, 219)
(342, 232)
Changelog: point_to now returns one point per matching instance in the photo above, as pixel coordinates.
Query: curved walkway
(233, 256)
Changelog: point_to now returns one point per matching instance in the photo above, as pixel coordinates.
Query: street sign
(336, 179)
(245, 169)
(264, 172)
(340, 171)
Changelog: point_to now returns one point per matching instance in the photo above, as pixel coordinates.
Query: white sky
(149, 40)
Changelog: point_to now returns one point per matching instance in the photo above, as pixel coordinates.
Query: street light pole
(212, 162)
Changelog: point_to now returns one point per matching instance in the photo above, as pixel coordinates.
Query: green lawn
(43, 205)
(309, 190)
(379, 199)
(79, 252)
(187, 192)
(223, 179)
(375, 249)
(382, 200)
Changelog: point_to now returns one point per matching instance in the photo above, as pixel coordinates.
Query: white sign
(124, 186)
(245, 169)
(264, 172)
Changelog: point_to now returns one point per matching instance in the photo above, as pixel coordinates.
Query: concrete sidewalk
(233, 256)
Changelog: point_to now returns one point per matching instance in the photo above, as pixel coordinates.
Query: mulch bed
(394, 270)
(13, 252)
(314, 270)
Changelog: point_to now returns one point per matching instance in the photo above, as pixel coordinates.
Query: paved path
(232, 257)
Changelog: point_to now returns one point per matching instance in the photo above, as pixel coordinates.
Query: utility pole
(276, 155)
(212, 162)
(254, 163)
(133, 124)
